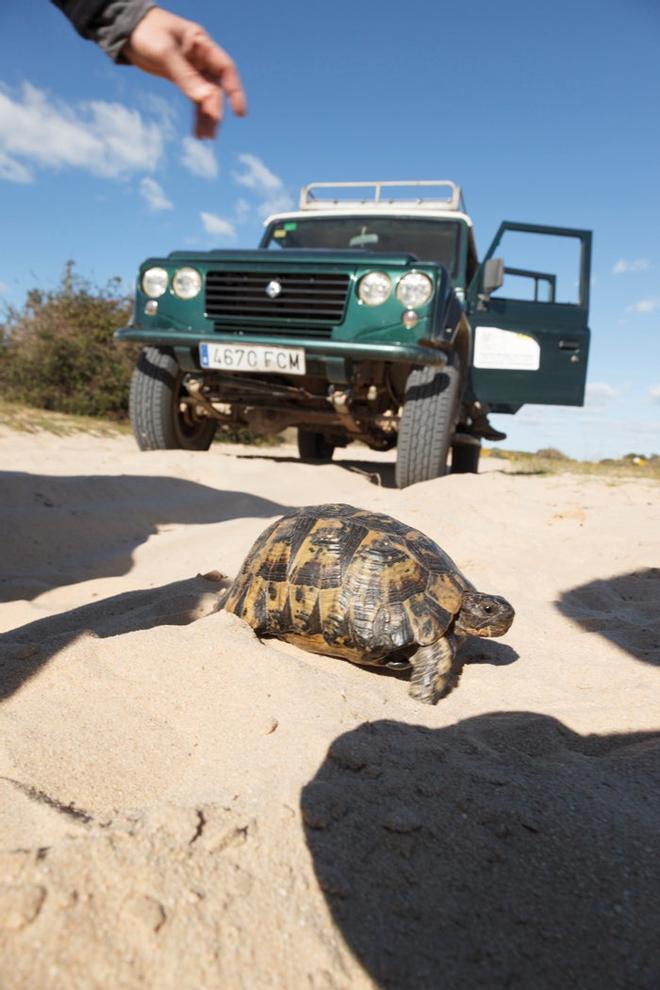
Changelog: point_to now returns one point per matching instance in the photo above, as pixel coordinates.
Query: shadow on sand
(504, 851)
(376, 472)
(63, 530)
(625, 609)
(25, 650)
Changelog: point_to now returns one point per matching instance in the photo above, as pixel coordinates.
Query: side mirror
(493, 276)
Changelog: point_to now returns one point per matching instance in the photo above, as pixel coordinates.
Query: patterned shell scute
(336, 579)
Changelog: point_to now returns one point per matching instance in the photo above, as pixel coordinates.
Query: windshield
(427, 240)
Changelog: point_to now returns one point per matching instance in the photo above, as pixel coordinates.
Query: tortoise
(361, 585)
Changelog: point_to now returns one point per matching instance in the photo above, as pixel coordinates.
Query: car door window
(540, 267)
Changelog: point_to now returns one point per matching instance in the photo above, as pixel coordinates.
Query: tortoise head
(483, 615)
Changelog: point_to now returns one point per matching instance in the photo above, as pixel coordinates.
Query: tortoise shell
(345, 582)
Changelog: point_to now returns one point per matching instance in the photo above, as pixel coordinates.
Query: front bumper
(425, 353)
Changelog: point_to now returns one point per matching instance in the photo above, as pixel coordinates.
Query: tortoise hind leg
(432, 671)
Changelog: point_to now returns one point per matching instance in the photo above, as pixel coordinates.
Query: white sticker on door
(505, 349)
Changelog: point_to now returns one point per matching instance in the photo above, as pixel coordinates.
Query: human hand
(180, 50)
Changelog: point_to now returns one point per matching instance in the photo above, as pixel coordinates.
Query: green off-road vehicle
(368, 318)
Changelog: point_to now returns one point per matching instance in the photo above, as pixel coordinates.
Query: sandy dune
(184, 806)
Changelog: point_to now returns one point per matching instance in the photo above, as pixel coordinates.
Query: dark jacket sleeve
(81, 13)
(107, 22)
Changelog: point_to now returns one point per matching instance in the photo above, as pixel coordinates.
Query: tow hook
(341, 402)
(340, 399)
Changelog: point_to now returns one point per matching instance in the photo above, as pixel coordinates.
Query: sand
(183, 806)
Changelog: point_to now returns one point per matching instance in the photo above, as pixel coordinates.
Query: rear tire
(314, 448)
(465, 457)
(430, 411)
(157, 419)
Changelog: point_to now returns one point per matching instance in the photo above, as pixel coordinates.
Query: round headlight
(154, 282)
(186, 283)
(374, 288)
(414, 290)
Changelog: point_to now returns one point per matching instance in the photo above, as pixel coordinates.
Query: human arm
(163, 44)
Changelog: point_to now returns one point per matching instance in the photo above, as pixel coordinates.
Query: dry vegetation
(58, 352)
(28, 419)
(552, 461)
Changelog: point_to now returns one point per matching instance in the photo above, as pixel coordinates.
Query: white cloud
(243, 210)
(654, 392)
(152, 193)
(199, 159)
(13, 171)
(646, 305)
(623, 266)
(217, 226)
(158, 106)
(107, 139)
(599, 393)
(275, 204)
(257, 176)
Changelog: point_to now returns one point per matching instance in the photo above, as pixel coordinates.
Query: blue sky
(542, 112)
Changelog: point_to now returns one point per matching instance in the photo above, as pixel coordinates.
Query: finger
(233, 87)
(205, 126)
(209, 114)
(214, 61)
(191, 82)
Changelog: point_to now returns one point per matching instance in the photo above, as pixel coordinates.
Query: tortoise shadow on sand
(25, 650)
(502, 851)
(64, 530)
(625, 609)
(474, 651)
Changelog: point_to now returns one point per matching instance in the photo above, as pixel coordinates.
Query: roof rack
(453, 201)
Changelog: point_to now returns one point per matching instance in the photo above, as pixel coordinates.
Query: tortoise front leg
(432, 669)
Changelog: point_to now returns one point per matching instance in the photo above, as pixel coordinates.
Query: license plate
(253, 357)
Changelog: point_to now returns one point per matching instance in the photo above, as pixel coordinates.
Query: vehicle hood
(315, 256)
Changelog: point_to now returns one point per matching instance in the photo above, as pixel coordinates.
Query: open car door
(531, 334)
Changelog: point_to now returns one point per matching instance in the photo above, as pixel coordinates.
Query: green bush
(58, 352)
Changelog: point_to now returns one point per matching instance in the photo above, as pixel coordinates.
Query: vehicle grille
(317, 297)
(304, 329)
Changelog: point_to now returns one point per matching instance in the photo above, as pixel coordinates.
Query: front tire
(158, 420)
(430, 411)
(314, 448)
